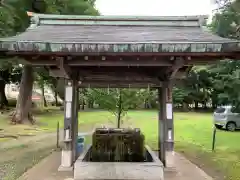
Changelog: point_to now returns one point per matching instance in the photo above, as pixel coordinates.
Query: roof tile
(78, 31)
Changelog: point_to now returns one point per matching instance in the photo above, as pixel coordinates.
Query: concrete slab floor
(179, 168)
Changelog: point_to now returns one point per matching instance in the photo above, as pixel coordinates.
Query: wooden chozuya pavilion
(123, 52)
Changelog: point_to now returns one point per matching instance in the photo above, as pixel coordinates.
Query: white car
(227, 117)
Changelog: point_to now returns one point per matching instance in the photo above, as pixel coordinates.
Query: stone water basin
(151, 169)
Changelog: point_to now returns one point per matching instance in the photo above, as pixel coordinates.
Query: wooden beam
(107, 77)
(178, 63)
(110, 73)
(117, 85)
(217, 55)
(117, 70)
(122, 81)
(120, 78)
(138, 61)
(121, 62)
(64, 68)
(105, 61)
(86, 75)
(115, 74)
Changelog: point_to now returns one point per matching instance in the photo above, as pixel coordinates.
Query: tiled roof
(117, 34)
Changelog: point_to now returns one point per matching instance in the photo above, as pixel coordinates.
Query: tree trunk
(43, 96)
(119, 109)
(214, 103)
(24, 102)
(83, 103)
(205, 105)
(90, 104)
(3, 98)
(145, 104)
(54, 88)
(185, 107)
(148, 104)
(196, 105)
(56, 97)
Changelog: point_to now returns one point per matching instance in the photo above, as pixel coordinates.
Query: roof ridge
(53, 19)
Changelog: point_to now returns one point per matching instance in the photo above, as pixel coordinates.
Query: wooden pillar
(166, 128)
(69, 138)
(75, 121)
(161, 127)
(169, 118)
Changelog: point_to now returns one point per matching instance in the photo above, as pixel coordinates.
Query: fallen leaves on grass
(14, 168)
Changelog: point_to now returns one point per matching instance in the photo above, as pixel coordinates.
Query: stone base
(66, 158)
(85, 170)
(65, 169)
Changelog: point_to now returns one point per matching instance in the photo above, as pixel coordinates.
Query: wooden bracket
(57, 73)
(64, 68)
(172, 71)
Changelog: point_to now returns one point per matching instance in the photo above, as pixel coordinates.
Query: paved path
(179, 168)
(47, 169)
(26, 140)
(38, 137)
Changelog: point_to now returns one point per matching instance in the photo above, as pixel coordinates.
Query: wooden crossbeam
(105, 61)
(143, 62)
(121, 81)
(116, 74)
(119, 84)
(124, 84)
(109, 75)
(118, 61)
(219, 55)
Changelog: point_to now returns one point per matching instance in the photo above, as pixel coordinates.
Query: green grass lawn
(193, 137)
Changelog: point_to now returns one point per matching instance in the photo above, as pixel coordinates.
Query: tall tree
(24, 102)
(10, 23)
(40, 6)
(217, 83)
(9, 73)
(225, 75)
(42, 79)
